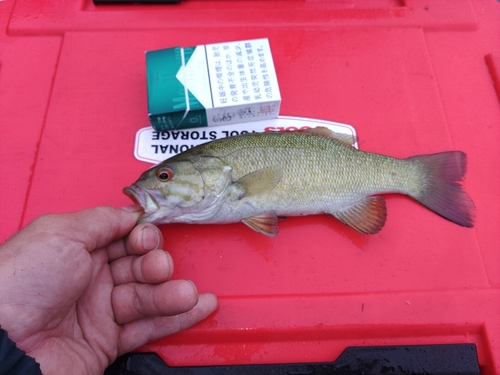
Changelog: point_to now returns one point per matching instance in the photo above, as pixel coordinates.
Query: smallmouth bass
(256, 178)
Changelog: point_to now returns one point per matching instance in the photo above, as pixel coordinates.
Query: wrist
(13, 360)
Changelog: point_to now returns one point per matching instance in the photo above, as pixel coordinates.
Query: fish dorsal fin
(366, 217)
(347, 139)
(266, 223)
(260, 181)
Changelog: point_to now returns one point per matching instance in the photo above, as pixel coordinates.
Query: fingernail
(132, 208)
(150, 238)
(194, 286)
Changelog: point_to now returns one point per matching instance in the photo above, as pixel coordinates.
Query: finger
(93, 228)
(140, 332)
(147, 237)
(154, 267)
(143, 238)
(137, 301)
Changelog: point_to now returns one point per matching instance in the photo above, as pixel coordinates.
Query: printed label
(242, 73)
(153, 146)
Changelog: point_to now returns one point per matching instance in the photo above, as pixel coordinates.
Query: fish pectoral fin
(266, 223)
(347, 139)
(260, 181)
(366, 217)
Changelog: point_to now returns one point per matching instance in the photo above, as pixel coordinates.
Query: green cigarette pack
(212, 84)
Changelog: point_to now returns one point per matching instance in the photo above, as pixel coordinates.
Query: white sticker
(152, 146)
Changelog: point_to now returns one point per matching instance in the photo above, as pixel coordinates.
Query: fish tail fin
(442, 190)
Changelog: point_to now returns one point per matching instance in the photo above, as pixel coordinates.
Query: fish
(257, 178)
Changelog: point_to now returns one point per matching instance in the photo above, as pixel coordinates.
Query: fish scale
(256, 177)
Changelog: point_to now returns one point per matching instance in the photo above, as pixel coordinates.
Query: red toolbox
(411, 76)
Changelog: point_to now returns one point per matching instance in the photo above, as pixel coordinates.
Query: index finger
(142, 239)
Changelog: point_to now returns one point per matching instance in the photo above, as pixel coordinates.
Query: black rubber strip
(459, 359)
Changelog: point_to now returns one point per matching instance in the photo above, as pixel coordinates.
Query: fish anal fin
(347, 139)
(260, 181)
(266, 223)
(366, 217)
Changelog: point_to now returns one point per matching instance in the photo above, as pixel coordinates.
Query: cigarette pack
(213, 84)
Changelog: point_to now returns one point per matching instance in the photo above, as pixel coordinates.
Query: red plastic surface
(411, 76)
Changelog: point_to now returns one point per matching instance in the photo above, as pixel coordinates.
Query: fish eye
(164, 174)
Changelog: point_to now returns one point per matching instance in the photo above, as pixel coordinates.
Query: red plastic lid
(412, 77)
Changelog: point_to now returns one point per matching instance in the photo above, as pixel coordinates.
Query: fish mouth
(142, 198)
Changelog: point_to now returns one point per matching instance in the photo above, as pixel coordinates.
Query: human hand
(77, 290)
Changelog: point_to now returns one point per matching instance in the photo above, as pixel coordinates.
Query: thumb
(99, 226)
(94, 227)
